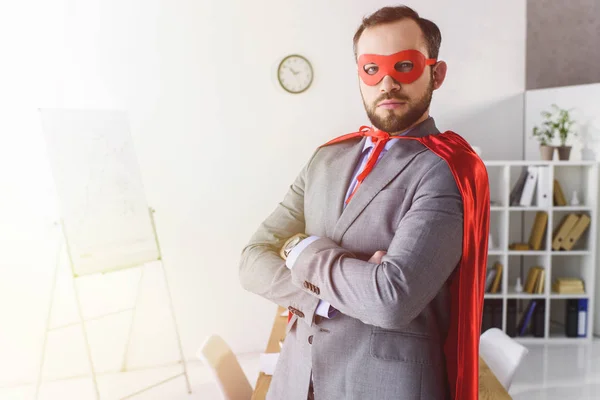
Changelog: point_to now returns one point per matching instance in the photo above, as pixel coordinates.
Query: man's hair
(386, 15)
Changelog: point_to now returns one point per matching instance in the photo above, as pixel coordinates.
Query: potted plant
(559, 123)
(563, 125)
(545, 135)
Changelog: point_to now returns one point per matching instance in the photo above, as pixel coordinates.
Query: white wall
(584, 102)
(218, 142)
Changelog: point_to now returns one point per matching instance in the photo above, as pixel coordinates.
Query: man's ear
(439, 74)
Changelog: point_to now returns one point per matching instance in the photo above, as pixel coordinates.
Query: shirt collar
(369, 142)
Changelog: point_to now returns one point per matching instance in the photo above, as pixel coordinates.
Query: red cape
(468, 280)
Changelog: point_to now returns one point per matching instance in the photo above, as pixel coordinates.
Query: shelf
(527, 208)
(524, 163)
(572, 208)
(493, 295)
(514, 295)
(571, 253)
(527, 253)
(529, 340)
(514, 223)
(569, 296)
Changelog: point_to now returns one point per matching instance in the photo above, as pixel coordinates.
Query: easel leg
(162, 264)
(52, 292)
(137, 297)
(85, 337)
(185, 371)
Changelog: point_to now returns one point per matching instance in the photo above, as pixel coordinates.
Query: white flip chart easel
(106, 223)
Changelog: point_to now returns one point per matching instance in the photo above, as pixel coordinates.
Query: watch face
(291, 245)
(295, 74)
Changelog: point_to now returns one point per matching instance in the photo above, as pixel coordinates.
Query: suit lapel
(394, 161)
(339, 175)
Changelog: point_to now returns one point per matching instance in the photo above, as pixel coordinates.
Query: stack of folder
(569, 231)
(568, 286)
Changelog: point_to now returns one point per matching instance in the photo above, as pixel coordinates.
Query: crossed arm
(387, 291)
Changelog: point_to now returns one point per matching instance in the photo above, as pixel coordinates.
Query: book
(519, 246)
(532, 278)
(497, 279)
(539, 316)
(574, 234)
(539, 286)
(515, 193)
(487, 318)
(489, 280)
(526, 318)
(537, 230)
(529, 188)
(559, 196)
(567, 223)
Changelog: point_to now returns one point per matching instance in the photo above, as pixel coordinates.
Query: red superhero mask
(405, 67)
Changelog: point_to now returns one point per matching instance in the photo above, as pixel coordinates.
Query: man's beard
(393, 123)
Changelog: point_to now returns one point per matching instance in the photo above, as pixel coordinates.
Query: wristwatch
(290, 244)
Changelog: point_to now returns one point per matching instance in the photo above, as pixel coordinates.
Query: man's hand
(376, 258)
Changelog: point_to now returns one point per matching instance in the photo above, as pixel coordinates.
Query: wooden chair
(231, 379)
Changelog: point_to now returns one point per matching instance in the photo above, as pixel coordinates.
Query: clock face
(295, 74)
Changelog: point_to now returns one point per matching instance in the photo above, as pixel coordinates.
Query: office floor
(548, 373)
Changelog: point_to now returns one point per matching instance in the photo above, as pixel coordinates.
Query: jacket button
(310, 338)
(306, 284)
(317, 290)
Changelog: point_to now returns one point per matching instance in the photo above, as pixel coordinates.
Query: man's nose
(389, 84)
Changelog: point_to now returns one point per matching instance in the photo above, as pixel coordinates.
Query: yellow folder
(582, 223)
(538, 229)
(563, 230)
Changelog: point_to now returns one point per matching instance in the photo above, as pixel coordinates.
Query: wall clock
(295, 74)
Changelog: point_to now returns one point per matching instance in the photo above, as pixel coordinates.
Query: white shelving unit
(511, 224)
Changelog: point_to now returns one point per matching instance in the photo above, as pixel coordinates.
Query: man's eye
(371, 69)
(404, 66)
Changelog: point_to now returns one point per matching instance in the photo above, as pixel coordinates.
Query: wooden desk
(489, 386)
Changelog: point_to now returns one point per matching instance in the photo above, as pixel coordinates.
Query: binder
(497, 314)
(529, 188)
(497, 279)
(582, 308)
(511, 317)
(580, 226)
(544, 192)
(559, 196)
(537, 230)
(571, 318)
(563, 230)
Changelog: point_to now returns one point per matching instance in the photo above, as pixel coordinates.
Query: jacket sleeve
(261, 270)
(425, 249)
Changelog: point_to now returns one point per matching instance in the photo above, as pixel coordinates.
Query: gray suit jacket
(387, 340)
